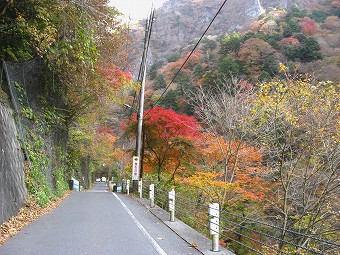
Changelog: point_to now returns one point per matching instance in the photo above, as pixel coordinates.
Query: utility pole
(136, 173)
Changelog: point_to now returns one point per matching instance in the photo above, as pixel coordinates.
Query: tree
(231, 43)
(309, 50)
(230, 170)
(82, 47)
(27, 29)
(169, 139)
(292, 27)
(290, 47)
(244, 160)
(229, 66)
(295, 12)
(298, 125)
(319, 15)
(308, 26)
(170, 100)
(253, 53)
(153, 69)
(223, 114)
(159, 82)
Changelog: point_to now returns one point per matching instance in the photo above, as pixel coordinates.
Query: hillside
(248, 39)
(180, 22)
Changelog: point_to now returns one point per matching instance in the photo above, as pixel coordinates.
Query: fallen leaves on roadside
(27, 214)
(193, 245)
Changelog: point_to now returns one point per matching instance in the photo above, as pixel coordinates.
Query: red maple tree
(168, 139)
(308, 26)
(116, 78)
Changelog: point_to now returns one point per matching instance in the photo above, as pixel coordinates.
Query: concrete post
(152, 195)
(172, 203)
(140, 188)
(214, 225)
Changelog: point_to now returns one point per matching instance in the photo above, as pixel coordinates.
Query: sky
(136, 9)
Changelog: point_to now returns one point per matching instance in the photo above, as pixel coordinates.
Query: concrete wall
(12, 184)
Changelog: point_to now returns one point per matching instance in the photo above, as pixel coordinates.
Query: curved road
(97, 222)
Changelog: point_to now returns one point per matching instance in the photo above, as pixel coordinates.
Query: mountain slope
(181, 22)
(178, 22)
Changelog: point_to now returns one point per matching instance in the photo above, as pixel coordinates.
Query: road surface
(97, 222)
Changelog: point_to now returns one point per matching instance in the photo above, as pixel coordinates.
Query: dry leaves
(27, 214)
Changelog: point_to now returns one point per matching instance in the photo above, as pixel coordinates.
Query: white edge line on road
(139, 225)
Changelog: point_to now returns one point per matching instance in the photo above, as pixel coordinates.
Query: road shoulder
(188, 234)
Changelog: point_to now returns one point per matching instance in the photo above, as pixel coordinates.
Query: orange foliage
(216, 149)
(211, 184)
(171, 68)
(116, 78)
(253, 53)
(103, 144)
(120, 155)
(245, 160)
(122, 159)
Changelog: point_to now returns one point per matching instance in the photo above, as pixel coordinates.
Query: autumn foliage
(308, 26)
(171, 68)
(168, 139)
(116, 78)
(168, 123)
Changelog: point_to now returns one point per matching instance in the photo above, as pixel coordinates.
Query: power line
(192, 51)
(148, 27)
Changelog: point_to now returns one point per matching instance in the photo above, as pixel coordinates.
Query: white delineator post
(214, 222)
(152, 195)
(172, 204)
(140, 188)
(128, 187)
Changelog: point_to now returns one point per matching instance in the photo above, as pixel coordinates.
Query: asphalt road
(97, 222)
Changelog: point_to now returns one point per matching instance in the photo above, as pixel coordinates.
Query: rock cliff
(178, 22)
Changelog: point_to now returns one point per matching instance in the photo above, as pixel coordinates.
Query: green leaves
(27, 30)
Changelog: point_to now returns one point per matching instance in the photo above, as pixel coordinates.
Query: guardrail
(252, 235)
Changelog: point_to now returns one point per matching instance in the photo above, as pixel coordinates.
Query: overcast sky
(137, 9)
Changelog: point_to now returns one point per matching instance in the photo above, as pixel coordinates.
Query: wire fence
(242, 234)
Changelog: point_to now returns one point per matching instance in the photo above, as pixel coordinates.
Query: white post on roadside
(172, 195)
(123, 185)
(140, 188)
(152, 195)
(214, 225)
(128, 187)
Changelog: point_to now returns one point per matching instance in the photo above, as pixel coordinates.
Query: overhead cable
(148, 28)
